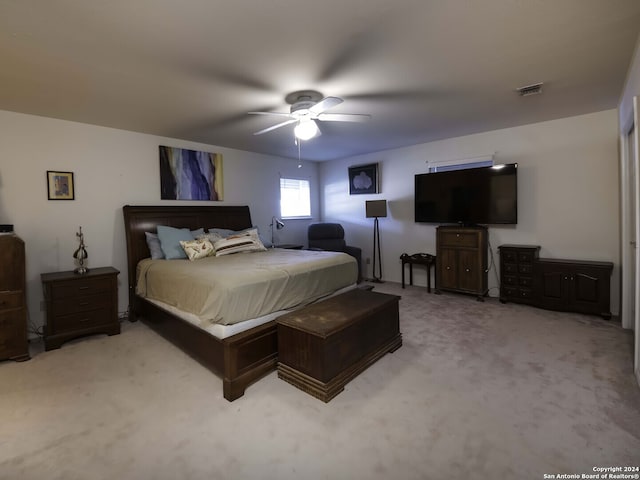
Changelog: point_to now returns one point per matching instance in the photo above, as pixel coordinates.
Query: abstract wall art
(190, 174)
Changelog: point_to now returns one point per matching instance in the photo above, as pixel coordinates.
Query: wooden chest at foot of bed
(325, 345)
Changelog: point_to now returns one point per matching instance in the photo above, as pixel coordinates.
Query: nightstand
(79, 305)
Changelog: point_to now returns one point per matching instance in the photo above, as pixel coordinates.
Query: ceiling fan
(307, 106)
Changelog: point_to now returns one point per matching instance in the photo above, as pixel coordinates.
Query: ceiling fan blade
(325, 104)
(344, 117)
(260, 132)
(280, 114)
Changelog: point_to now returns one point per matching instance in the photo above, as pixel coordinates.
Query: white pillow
(243, 242)
(196, 249)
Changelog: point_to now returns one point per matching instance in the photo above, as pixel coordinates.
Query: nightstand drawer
(11, 300)
(81, 304)
(85, 286)
(78, 321)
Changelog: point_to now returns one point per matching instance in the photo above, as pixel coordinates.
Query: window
(295, 198)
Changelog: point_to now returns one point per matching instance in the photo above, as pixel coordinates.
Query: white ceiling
(424, 69)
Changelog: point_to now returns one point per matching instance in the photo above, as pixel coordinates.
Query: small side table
(419, 259)
(80, 304)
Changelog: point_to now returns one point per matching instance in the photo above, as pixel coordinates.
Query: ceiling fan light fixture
(306, 129)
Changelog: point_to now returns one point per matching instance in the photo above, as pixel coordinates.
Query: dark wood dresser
(461, 259)
(516, 272)
(14, 343)
(567, 285)
(79, 305)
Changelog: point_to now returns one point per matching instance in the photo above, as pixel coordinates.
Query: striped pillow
(243, 242)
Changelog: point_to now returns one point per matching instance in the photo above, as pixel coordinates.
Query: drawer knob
(467, 270)
(448, 268)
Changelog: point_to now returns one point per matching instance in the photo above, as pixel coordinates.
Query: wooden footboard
(248, 356)
(240, 359)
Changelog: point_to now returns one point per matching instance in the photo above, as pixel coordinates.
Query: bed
(240, 358)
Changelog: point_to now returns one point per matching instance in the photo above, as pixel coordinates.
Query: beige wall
(567, 193)
(112, 168)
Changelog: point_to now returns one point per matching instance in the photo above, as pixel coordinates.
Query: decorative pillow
(198, 232)
(242, 242)
(170, 241)
(225, 232)
(196, 249)
(153, 242)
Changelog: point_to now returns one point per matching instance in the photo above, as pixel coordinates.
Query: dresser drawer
(82, 303)
(510, 291)
(13, 331)
(80, 320)
(525, 293)
(526, 269)
(525, 281)
(509, 256)
(510, 268)
(12, 299)
(510, 280)
(525, 257)
(461, 239)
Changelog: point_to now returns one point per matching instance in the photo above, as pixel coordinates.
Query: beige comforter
(233, 288)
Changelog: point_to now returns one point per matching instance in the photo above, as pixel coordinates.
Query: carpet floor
(478, 390)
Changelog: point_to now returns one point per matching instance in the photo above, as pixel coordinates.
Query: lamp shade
(376, 208)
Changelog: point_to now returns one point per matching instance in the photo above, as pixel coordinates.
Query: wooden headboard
(140, 219)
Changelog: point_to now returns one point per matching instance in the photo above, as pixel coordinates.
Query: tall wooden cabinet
(14, 343)
(461, 259)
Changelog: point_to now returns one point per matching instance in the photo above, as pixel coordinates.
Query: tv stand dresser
(565, 285)
(461, 260)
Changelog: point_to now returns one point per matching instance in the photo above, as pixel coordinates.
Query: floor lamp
(375, 209)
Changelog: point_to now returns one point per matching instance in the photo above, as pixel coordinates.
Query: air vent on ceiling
(533, 89)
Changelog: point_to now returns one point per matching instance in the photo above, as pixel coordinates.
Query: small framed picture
(363, 179)
(60, 185)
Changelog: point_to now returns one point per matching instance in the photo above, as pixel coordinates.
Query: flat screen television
(474, 196)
